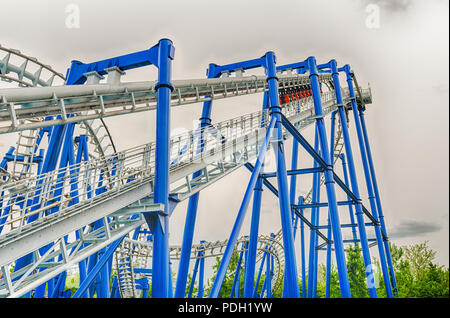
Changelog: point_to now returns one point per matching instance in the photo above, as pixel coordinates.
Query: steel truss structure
(70, 200)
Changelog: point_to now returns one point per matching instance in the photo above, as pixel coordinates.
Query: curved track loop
(30, 73)
(19, 69)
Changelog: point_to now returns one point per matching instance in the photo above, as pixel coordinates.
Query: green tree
(227, 284)
(416, 274)
(419, 256)
(188, 284)
(335, 290)
(356, 273)
(433, 284)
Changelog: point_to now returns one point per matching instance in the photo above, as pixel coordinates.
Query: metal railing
(83, 102)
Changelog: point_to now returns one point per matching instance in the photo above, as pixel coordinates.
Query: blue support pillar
(312, 268)
(269, 277)
(294, 164)
(191, 214)
(57, 137)
(292, 190)
(350, 207)
(194, 276)
(249, 275)
(354, 183)
(373, 207)
(104, 278)
(291, 278)
(115, 292)
(215, 289)
(258, 278)
(332, 133)
(328, 266)
(378, 202)
(159, 221)
(187, 244)
(329, 181)
(328, 259)
(201, 276)
(94, 272)
(235, 288)
(302, 250)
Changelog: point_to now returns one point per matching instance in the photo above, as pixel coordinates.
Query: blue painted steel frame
(213, 71)
(268, 62)
(161, 55)
(215, 289)
(332, 65)
(159, 222)
(369, 186)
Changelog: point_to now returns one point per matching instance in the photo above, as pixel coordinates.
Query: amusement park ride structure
(69, 198)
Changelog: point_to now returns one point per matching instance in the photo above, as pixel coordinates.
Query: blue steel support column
(294, 164)
(66, 159)
(249, 274)
(378, 201)
(51, 157)
(160, 222)
(101, 263)
(271, 265)
(294, 230)
(292, 188)
(115, 292)
(104, 278)
(261, 265)
(191, 214)
(329, 181)
(187, 244)
(328, 266)
(268, 278)
(250, 264)
(312, 267)
(302, 249)
(291, 278)
(350, 206)
(235, 288)
(328, 261)
(373, 207)
(215, 289)
(201, 274)
(194, 276)
(332, 133)
(354, 183)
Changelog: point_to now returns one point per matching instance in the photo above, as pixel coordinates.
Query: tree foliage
(416, 275)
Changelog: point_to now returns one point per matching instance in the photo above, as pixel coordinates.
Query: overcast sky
(405, 60)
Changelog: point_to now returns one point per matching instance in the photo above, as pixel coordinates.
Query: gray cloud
(391, 5)
(440, 88)
(411, 228)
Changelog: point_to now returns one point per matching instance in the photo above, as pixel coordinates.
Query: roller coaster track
(116, 98)
(131, 252)
(139, 253)
(132, 183)
(111, 187)
(29, 74)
